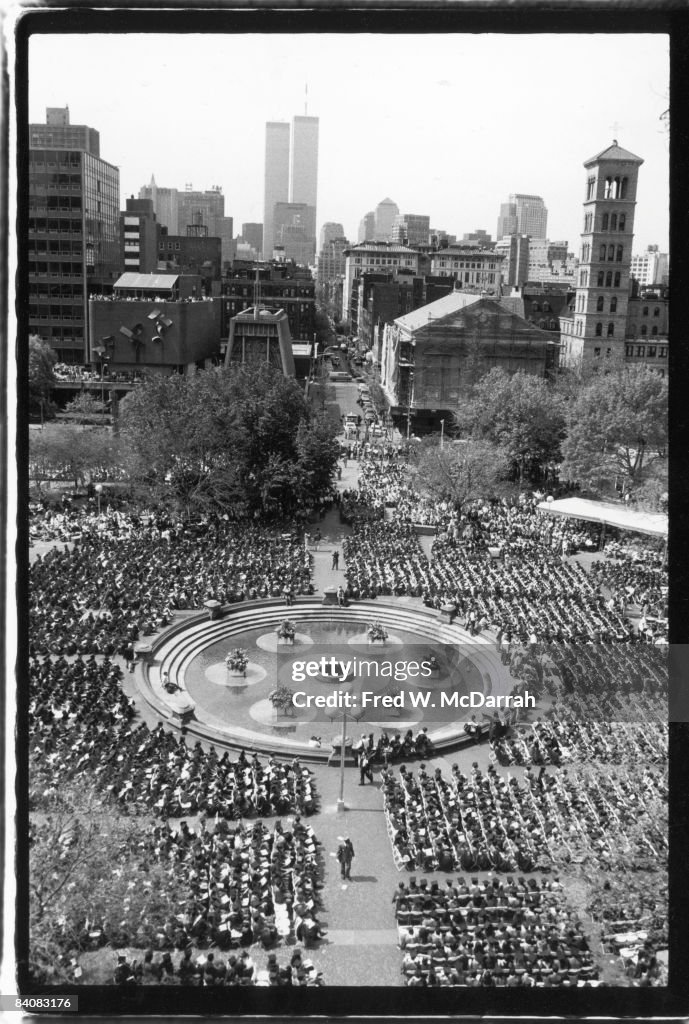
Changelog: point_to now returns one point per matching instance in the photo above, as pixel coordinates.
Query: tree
(617, 428)
(69, 452)
(86, 407)
(89, 876)
(42, 361)
(458, 472)
(519, 413)
(234, 438)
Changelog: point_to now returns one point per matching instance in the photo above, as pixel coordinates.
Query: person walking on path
(336, 560)
(345, 855)
(365, 770)
(316, 539)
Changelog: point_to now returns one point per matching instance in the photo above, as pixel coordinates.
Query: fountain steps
(178, 645)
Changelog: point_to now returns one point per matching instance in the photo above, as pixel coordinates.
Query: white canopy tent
(623, 518)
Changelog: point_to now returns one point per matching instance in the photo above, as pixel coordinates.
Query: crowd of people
(501, 932)
(82, 728)
(570, 735)
(488, 822)
(209, 969)
(128, 573)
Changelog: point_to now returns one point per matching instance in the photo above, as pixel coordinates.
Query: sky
(445, 125)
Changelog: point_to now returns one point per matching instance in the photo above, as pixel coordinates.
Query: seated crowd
(128, 574)
(634, 925)
(501, 932)
(487, 822)
(209, 969)
(246, 886)
(566, 737)
(81, 727)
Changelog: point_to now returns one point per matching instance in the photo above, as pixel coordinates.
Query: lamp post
(409, 403)
(99, 491)
(340, 799)
(442, 433)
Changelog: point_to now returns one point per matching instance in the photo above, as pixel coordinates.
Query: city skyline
(447, 153)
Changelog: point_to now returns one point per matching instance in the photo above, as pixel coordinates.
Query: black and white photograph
(343, 618)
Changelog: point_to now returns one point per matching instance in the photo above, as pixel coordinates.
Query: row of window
(656, 311)
(644, 331)
(610, 331)
(646, 351)
(604, 280)
(600, 303)
(609, 222)
(614, 188)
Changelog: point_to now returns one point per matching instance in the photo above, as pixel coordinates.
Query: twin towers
(291, 188)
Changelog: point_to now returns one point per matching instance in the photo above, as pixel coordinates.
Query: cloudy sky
(445, 125)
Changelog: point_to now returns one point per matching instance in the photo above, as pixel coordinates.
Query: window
(601, 278)
(613, 304)
(604, 225)
(611, 330)
(608, 279)
(599, 330)
(620, 250)
(656, 311)
(588, 221)
(590, 187)
(623, 220)
(608, 352)
(617, 279)
(596, 352)
(623, 188)
(613, 222)
(611, 253)
(546, 307)
(662, 352)
(654, 332)
(644, 311)
(651, 351)
(599, 304)
(644, 330)
(602, 252)
(628, 350)
(641, 350)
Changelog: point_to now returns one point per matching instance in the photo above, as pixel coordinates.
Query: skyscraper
(74, 230)
(367, 227)
(386, 211)
(303, 184)
(330, 230)
(276, 188)
(523, 215)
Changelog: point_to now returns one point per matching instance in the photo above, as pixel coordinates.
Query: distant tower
(386, 211)
(303, 186)
(600, 311)
(276, 189)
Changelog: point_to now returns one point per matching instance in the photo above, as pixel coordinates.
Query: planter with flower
(282, 700)
(286, 632)
(377, 633)
(237, 661)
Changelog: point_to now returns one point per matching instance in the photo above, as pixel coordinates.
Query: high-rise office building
(276, 185)
(179, 210)
(329, 232)
(253, 234)
(650, 267)
(367, 227)
(411, 229)
(523, 215)
(386, 211)
(74, 236)
(303, 184)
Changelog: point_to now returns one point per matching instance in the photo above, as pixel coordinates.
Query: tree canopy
(240, 438)
(42, 360)
(519, 413)
(616, 427)
(458, 472)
